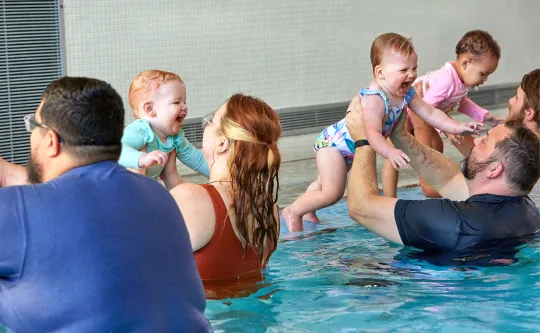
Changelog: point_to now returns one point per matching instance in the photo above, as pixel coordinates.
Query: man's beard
(34, 171)
(470, 166)
(520, 116)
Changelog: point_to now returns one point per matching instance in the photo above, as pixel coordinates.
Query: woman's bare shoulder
(189, 191)
(196, 207)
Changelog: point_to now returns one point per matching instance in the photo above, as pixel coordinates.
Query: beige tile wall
(290, 53)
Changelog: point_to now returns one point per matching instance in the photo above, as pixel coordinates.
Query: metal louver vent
(30, 58)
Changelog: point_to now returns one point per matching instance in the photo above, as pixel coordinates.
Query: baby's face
(399, 72)
(169, 103)
(477, 71)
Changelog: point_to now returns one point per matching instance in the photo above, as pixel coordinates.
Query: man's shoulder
(106, 175)
(109, 182)
(481, 204)
(422, 206)
(517, 211)
(502, 202)
(489, 199)
(12, 194)
(23, 194)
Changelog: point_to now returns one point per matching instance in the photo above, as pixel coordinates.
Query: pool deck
(298, 167)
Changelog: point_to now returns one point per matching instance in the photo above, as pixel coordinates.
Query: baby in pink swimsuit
(478, 56)
(444, 90)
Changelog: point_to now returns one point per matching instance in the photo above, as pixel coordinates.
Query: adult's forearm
(366, 206)
(362, 182)
(172, 180)
(12, 174)
(423, 132)
(439, 171)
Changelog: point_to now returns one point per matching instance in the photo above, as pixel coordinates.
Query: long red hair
(253, 128)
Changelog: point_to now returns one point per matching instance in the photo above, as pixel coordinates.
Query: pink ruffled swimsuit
(447, 93)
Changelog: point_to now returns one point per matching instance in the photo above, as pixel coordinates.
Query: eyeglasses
(31, 123)
(207, 119)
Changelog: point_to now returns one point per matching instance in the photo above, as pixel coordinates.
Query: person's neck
(532, 126)
(219, 172)
(458, 70)
(158, 132)
(492, 187)
(161, 136)
(377, 84)
(61, 166)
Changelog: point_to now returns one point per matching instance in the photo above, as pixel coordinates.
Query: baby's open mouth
(406, 85)
(180, 120)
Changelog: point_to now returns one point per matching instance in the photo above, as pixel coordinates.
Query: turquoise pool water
(339, 277)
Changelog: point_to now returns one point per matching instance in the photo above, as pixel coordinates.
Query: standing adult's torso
(99, 249)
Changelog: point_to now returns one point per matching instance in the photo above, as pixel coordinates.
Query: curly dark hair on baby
(478, 43)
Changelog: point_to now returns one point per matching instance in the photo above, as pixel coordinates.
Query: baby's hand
(455, 140)
(492, 121)
(398, 159)
(469, 128)
(154, 157)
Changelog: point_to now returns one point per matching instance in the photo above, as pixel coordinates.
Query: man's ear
(495, 170)
(51, 141)
(530, 114)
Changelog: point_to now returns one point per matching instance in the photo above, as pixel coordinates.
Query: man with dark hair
(91, 247)
(89, 115)
(487, 202)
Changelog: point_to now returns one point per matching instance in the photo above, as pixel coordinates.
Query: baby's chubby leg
(332, 179)
(312, 216)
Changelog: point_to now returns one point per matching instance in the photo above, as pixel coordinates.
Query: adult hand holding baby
(355, 126)
(353, 121)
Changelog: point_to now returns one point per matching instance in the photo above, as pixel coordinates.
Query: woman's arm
(198, 212)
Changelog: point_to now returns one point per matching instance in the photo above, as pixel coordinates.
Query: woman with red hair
(233, 221)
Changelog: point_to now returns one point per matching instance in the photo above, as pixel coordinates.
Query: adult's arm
(12, 174)
(428, 136)
(438, 170)
(170, 175)
(365, 205)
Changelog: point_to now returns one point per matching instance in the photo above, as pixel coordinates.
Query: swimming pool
(346, 279)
